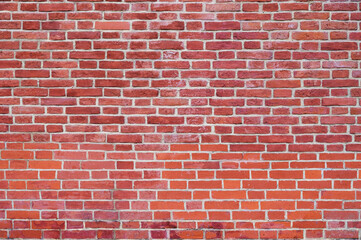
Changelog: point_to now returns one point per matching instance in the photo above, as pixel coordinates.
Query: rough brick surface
(180, 119)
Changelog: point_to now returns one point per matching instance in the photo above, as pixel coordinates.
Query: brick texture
(180, 119)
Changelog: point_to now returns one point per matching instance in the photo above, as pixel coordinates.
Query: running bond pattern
(180, 119)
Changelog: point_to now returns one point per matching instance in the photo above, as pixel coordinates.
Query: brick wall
(180, 119)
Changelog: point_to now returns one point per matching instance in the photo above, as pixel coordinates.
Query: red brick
(23, 214)
(112, 25)
(181, 120)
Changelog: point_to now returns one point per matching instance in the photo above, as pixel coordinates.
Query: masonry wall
(180, 119)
